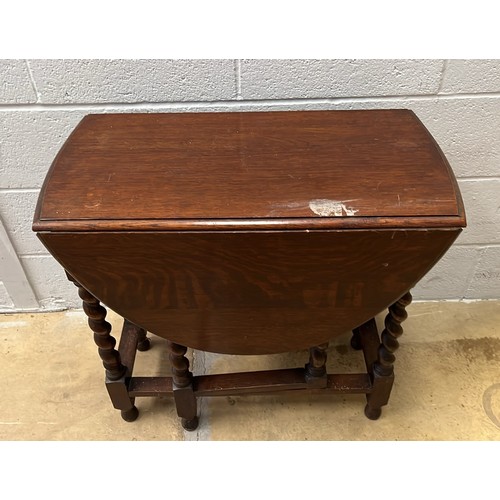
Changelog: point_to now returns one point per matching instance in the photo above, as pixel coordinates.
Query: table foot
(372, 413)
(356, 340)
(144, 344)
(315, 369)
(130, 415)
(190, 424)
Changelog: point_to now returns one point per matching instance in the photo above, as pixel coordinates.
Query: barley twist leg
(383, 368)
(185, 399)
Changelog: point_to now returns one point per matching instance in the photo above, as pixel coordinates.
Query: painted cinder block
(53, 290)
(482, 205)
(30, 141)
(485, 282)
(16, 211)
(15, 83)
(127, 81)
(467, 130)
(326, 78)
(448, 279)
(6, 304)
(471, 76)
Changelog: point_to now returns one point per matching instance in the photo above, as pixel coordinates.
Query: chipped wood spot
(331, 208)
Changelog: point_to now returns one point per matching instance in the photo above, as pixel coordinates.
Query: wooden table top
(318, 169)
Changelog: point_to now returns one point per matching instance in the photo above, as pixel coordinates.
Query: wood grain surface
(329, 167)
(253, 292)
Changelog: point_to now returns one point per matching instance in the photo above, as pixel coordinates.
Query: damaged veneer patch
(332, 208)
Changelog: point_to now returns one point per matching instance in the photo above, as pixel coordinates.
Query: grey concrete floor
(447, 385)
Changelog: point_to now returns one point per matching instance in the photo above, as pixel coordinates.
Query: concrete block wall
(41, 101)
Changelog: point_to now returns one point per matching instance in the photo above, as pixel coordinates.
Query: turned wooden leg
(383, 368)
(316, 367)
(115, 370)
(143, 343)
(182, 384)
(356, 340)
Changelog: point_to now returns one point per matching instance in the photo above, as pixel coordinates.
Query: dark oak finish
(316, 367)
(392, 331)
(382, 369)
(249, 292)
(143, 342)
(382, 163)
(248, 233)
(356, 340)
(182, 385)
(105, 342)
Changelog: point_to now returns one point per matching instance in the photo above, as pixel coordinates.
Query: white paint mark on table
(332, 208)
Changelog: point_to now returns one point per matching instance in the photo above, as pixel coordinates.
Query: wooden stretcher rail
(252, 383)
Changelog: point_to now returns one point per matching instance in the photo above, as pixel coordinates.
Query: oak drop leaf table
(248, 233)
